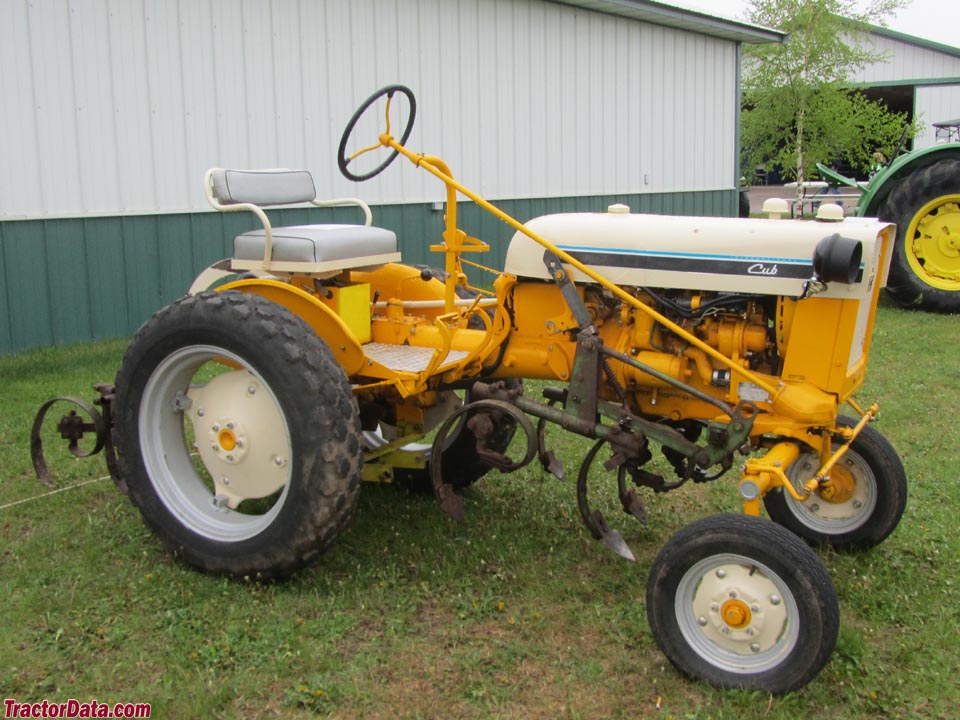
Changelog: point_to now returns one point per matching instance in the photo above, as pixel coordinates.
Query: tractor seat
(316, 243)
(317, 249)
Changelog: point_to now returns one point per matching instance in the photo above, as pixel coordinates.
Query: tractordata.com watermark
(74, 709)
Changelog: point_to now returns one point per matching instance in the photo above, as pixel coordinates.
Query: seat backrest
(262, 187)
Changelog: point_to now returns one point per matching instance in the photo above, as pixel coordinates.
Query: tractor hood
(773, 257)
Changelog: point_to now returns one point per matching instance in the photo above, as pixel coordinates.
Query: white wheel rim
(768, 627)
(832, 518)
(168, 459)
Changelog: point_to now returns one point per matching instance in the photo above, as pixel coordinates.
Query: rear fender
(881, 185)
(324, 322)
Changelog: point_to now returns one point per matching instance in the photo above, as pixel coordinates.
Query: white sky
(937, 20)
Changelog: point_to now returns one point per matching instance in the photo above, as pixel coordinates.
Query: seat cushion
(316, 243)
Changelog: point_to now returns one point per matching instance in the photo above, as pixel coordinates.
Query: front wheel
(866, 501)
(740, 602)
(237, 434)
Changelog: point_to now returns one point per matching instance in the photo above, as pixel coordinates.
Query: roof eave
(659, 13)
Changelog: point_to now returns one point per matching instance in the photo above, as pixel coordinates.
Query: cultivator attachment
(73, 428)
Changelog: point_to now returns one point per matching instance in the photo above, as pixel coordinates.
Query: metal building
(916, 76)
(113, 110)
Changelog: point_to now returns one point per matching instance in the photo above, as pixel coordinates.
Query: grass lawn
(518, 613)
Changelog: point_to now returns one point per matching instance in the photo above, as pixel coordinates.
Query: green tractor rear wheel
(925, 269)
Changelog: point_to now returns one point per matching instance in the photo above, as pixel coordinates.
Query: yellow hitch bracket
(823, 475)
(391, 447)
(761, 475)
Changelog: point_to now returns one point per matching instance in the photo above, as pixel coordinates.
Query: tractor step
(407, 358)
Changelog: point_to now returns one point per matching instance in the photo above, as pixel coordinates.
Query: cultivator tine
(633, 505)
(550, 462)
(611, 538)
(450, 502)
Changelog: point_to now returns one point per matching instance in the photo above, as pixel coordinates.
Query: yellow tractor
(246, 417)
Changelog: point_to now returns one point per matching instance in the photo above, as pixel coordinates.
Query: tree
(798, 108)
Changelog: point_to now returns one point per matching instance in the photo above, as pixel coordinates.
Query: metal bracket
(73, 428)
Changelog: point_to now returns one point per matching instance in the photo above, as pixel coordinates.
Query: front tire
(739, 602)
(238, 435)
(871, 495)
(925, 268)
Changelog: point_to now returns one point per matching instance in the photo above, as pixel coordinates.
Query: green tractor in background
(920, 192)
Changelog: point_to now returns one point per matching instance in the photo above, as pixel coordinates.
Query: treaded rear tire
(912, 193)
(314, 399)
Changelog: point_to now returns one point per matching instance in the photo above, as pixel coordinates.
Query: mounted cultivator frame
(244, 418)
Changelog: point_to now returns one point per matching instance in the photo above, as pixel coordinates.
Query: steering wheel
(343, 160)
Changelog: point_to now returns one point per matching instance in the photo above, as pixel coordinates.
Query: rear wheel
(867, 499)
(925, 268)
(238, 435)
(740, 602)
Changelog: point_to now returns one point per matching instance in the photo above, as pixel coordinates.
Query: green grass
(517, 613)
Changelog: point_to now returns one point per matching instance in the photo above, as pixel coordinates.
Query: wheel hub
(736, 614)
(239, 435)
(739, 609)
(841, 487)
(934, 242)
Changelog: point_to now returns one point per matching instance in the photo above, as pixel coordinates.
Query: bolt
(225, 481)
(229, 426)
(815, 507)
(733, 594)
(714, 607)
(721, 573)
(239, 443)
(252, 389)
(216, 428)
(755, 647)
(754, 608)
(229, 458)
(701, 621)
(774, 599)
(725, 630)
(215, 447)
(750, 632)
(278, 461)
(857, 504)
(201, 412)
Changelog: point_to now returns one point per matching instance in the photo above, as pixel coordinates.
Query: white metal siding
(905, 61)
(935, 104)
(113, 106)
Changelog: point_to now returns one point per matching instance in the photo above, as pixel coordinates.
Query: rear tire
(925, 268)
(740, 602)
(238, 435)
